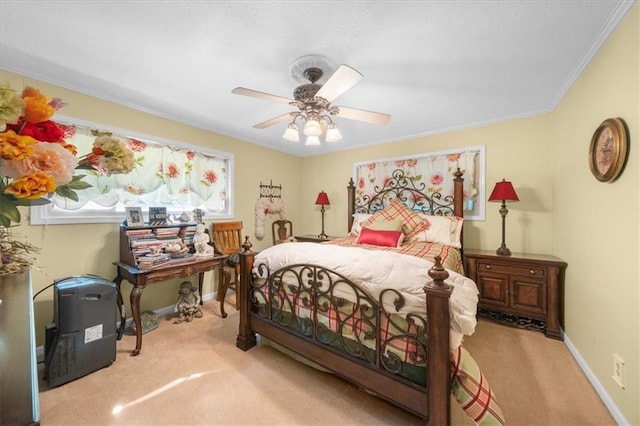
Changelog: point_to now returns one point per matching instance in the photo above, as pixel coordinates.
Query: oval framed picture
(609, 149)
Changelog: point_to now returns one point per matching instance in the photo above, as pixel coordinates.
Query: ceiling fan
(313, 101)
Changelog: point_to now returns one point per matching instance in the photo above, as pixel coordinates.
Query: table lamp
(322, 200)
(503, 191)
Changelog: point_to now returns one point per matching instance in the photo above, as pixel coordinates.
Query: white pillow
(358, 219)
(442, 229)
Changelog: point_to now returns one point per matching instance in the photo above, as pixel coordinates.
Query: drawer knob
(488, 266)
(532, 272)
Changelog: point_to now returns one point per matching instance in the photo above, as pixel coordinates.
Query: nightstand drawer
(499, 268)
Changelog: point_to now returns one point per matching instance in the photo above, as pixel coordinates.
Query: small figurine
(188, 305)
(201, 241)
(198, 214)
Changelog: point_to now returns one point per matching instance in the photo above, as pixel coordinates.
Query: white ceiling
(434, 66)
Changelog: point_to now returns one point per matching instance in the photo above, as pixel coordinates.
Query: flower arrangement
(36, 162)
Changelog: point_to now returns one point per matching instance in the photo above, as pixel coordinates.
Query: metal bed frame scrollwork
(287, 306)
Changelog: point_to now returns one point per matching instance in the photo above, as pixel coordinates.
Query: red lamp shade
(503, 191)
(323, 199)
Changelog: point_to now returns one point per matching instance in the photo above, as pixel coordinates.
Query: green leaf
(84, 166)
(78, 185)
(39, 202)
(66, 192)
(4, 221)
(8, 210)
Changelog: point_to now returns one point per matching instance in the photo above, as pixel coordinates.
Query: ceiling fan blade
(256, 94)
(273, 121)
(362, 115)
(342, 80)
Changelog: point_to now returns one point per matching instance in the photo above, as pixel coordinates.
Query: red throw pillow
(380, 238)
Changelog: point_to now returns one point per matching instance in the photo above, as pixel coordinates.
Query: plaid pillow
(412, 223)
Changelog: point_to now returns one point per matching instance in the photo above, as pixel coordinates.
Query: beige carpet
(192, 373)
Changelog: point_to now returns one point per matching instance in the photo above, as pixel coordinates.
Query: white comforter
(375, 271)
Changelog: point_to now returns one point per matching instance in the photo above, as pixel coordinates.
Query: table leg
(200, 282)
(135, 312)
(223, 283)
(117, 281)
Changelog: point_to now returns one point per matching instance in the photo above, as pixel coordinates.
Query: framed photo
(134, 216)
(157, 216)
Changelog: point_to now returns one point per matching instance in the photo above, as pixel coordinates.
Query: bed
(387, 312)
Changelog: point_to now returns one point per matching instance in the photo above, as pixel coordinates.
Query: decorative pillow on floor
(472, 391)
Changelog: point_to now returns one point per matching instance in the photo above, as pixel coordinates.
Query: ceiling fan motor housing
(306, 92)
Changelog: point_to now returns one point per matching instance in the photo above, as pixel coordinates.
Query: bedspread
(451, 257)
(375, 271)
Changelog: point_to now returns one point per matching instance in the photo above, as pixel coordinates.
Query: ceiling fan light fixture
(291, 134)
(312, 141)
(333, 133)
(312, 126)
(320, 84)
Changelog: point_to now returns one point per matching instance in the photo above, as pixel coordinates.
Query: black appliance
(82, 337)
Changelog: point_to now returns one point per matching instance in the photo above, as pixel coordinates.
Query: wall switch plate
(618, 370)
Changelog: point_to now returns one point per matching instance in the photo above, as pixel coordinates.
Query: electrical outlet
(618, 370)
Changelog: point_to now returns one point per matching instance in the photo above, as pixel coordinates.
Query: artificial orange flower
(32, 187)
(15, 147)
(37, 106)
(70, 147)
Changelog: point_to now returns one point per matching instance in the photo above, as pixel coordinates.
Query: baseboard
(161, 312)
(606, 399)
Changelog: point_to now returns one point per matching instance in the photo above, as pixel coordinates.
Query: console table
(141, 277)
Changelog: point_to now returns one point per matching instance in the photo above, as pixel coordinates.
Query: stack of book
(189, 232)
(143, 242)
(169, 235)
(153, 260)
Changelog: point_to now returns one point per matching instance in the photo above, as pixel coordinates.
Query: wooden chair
(282, 230)
(227, 239)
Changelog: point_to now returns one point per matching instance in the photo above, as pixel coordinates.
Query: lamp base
(503, 251)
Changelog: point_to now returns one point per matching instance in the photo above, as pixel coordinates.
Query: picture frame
(609, 150)
(134, 216)
(157, 216)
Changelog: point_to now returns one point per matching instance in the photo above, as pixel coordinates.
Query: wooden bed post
(458, 193)
(438, 357)
(246, 337)
(351, 203)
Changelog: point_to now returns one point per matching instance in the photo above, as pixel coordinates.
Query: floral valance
(163, 175)
(435, 171)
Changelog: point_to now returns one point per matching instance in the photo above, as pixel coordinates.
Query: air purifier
(82, 337)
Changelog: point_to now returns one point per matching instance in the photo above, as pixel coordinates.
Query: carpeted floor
(192, 373)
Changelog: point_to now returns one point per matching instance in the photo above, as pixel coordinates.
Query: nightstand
(311, 239)
(529, 286)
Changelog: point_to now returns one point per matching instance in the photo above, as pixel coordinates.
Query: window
(167, 174)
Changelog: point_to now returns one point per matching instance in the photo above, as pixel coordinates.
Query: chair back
(282, 230)
(227, 236)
